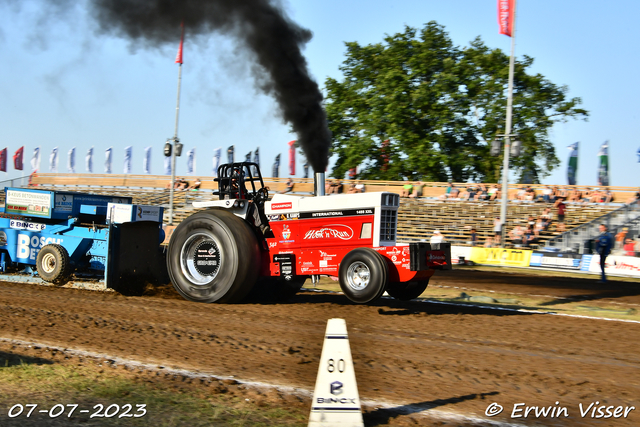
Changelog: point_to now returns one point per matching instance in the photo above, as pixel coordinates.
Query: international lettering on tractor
(244, 240)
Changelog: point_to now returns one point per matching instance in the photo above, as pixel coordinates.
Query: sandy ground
(422, 357)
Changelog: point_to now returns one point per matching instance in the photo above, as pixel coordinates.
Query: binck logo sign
(499, 256)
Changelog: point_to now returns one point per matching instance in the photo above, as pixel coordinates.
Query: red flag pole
(175, 135)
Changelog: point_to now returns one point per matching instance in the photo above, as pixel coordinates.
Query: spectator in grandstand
(407, 189)
(491, 241)
(561, 192)
(452, 193)
(352, 188)
(520, 194)
(596, 196)
(494, 192)
(604, 242)
(334, 187)
(630, 247)
(547, 194)
(528, 237)
(473, 237)
(531, 222)
(606, 196)
(468, 193)
(635, 198)
(437, 237)
(529, 194)
(196, 185)
(559, 204)
(497, 227)
(538, 227)
(288, 187)
(481, 193)
(417, 190)
(620, 238)
(359, 187)
(586, 196)
(575, 195)
(516, 235)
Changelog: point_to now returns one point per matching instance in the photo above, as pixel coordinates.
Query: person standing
(604, 242)
(561, 212)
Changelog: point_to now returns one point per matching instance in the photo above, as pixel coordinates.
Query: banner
(53, 160)
(572, 167)
(88, 159)
(276, 167)
(71, 161)
(603, 169)
(35, 160)
(127, 160)
(3, 160)
(256, 160)
(107, 160)
(191, 161)
(292, 157)
(146, 161)
(500, 256)
(216, 160)
(247, 158)
(618, 265)
(569, 261)
(18, 163)
(506, 16)
(230, 154)
(306, 169)
(167, 165)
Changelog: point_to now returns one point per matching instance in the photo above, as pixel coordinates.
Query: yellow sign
(499, 256)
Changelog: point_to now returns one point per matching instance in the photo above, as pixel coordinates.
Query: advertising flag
(127, 160)
(638, 155)
(146, 160)
(191, 161)
(352, 173)
(603, 168)
(3, 160)
(18, 163)
(247, 158)
(217, 153)
(506, 16)
(572, 167)
(256, 160)
(88, 159)
(306, 169)
(35, 159)
(107, 160)
(53, 160)
(230, 156)
(179, 55)
(292, 157)
(71, 160)
(276, 167)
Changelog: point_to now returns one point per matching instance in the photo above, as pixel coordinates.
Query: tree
(438, 107)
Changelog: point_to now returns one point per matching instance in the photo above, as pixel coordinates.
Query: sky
(64, 85)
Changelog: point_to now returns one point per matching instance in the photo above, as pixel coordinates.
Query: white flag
(71, 161)
(53, 161)
(107, 160)
(146, 162)
(167, 165)
(89, 160)
(216, 160)
(191, 161)
(35, 159)
(127, 160)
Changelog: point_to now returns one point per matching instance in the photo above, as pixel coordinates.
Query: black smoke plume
(262, 26)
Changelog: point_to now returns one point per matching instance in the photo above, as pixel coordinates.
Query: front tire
(363, 275)
(213, 256)
(405, 291)
(52, 264)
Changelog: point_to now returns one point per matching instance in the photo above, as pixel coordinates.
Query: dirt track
(457, 359)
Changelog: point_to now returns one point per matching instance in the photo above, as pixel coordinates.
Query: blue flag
(146, 161)
(572, 167)
(53, 160)
(107, 160)
(127, 159)
(216, 160)
(71, 161)
(191, 161)
(89, 160)
(276, 167)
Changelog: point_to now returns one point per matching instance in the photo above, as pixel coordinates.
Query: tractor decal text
(333, 231)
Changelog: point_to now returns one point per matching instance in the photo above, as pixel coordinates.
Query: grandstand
(417, 217)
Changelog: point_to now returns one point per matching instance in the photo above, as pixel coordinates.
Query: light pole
(174, 150)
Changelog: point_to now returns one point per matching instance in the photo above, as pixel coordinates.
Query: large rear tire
(363, 275)
(52, 264)
(405, 291)
(213, 256)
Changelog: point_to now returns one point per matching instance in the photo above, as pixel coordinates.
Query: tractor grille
(388, 225)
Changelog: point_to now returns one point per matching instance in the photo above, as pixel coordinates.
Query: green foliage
(439, 107)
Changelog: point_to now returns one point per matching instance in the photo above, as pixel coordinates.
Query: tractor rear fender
(238, 207)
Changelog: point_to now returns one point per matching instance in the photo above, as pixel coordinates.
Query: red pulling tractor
(244, 241)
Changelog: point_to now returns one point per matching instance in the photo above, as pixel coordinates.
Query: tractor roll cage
(234, 178)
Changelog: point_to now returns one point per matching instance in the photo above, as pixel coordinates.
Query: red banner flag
(292, 157)
(3, 160)
(179, 55)
(18, 157)
(506, 13)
